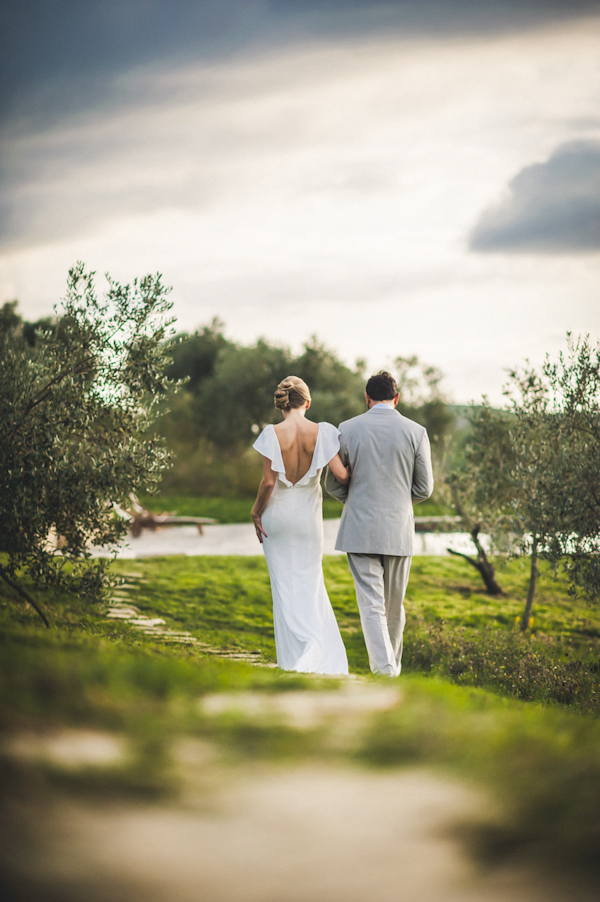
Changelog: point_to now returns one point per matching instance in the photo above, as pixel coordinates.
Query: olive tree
(530, 471)
(574, 380)
(75, 405)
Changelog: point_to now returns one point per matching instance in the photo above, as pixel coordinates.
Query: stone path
(121, 608)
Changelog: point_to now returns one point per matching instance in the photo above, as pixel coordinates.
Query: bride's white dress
(307, 636)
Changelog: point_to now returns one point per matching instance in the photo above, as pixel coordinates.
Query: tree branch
(43, 393)
(24, 594)
(471, 560)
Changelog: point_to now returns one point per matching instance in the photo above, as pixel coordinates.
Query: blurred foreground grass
(540, 761)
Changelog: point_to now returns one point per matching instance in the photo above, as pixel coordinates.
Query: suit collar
(381, 407)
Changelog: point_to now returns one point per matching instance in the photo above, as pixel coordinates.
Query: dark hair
(382, 387)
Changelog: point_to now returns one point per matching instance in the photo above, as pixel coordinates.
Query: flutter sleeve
(267, 445)
(264, 442)
(328, 445)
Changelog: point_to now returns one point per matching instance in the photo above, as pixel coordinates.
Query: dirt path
(261, 834)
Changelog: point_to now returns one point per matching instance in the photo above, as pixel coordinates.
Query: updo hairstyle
(292, 392)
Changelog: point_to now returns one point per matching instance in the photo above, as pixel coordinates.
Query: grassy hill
(516, 714)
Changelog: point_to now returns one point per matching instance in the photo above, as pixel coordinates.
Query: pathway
(285, 833)
(240, 538)
(121, 608)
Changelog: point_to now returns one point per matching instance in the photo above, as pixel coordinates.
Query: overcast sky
(398, 177)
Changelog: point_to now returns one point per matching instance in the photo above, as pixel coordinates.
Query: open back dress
(307, 636)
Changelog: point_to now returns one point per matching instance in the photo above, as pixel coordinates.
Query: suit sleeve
(332, 486)
(335, 488)
(422, 484)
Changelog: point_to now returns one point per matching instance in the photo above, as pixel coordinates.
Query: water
(240, 538)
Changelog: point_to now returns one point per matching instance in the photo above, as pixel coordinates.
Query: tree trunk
(532, 586)
(481, 564)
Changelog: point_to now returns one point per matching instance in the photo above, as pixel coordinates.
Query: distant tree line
(227, 399)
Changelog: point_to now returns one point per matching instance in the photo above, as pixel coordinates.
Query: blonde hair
(291, 392)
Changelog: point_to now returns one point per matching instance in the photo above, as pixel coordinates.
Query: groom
(389, 459)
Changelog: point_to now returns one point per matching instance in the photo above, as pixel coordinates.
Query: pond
(240, 538)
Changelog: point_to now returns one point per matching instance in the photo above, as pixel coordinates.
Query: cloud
(550, 207)
(63, 57)
(358, 145)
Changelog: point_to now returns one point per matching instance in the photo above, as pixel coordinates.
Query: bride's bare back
(297, 439)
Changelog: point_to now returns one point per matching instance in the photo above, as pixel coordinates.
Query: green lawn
(514, 713)
(237, 510)
(454, 629)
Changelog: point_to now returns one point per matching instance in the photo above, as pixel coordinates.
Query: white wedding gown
(307, 636)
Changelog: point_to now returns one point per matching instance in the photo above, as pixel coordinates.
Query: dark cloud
(61, 55)
(551, 207)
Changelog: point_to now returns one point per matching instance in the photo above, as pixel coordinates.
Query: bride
(288, 519)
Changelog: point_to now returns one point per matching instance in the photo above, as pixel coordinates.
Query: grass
(237, 510)
(224, 601)
(461, 633)
(467, 673)
(454, 630)
(542, 764)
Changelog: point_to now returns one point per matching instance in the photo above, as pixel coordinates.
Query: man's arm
(422, 485)
(335, 488)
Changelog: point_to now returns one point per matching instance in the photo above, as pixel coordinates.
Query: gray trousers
(380, 581)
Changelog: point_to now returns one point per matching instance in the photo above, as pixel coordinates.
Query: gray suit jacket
(390, 469)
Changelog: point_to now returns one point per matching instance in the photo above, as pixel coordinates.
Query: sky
(398, 178)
